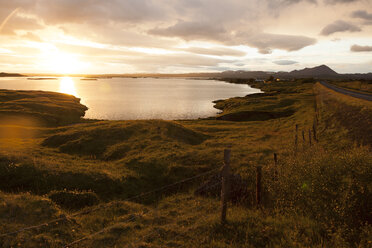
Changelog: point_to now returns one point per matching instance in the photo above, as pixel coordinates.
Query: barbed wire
(153, 232)
(57, 220)
(109, 227)
(205, 217)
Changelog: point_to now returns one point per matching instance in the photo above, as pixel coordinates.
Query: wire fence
(154, 232)
(223, 179)
(204, 218)
(122, 222)
(86, 211)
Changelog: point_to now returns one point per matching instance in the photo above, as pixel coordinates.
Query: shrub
(332, 188)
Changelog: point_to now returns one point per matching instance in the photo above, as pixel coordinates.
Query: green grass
(320, 197)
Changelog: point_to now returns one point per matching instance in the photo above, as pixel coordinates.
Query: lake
(139, 98)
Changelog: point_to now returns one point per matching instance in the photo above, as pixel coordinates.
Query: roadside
(363, 96)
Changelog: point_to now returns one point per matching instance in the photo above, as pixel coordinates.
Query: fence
(225, 190)
(225, 172)
(312, 135)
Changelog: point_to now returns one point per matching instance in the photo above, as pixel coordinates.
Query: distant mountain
(244, 74)
(318, 71)
(3, 74)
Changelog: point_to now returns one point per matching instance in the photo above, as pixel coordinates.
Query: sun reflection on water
(67, 86)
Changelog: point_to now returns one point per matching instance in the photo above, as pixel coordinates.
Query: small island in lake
(4, 74)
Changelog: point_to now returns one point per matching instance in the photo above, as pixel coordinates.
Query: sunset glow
(183, 36)
(65, 63)
(185, 123)
(67, 86)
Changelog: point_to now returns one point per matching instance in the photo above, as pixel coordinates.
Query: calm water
(139, 98)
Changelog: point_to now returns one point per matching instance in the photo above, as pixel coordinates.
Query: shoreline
(213, 102)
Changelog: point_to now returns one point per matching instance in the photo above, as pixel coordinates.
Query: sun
(65, 63)
(67, 86)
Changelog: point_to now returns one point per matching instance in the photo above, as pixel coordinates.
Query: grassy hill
(317, 195)
(39, 108)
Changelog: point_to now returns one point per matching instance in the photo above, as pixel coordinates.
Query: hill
(318, 72)
(4, 74)
(39, 107)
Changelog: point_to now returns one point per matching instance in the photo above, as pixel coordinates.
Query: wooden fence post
(296, 136)
(225, 189)
(314, 132)
(310, 137)
(275, 166)
(258, 186)
(303, 136)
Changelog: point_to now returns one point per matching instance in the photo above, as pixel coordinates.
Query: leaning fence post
(303, 136)
(258, 185)
(310, 137)
(225, 184)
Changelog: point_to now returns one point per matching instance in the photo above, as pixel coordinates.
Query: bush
(73, 199)
(332, 188)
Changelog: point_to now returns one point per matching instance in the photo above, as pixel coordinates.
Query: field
(318, 194)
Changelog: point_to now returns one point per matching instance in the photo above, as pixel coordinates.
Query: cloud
(15, 22)
(297, 1)
(357, 48)
(127, 30)
(95, 51)
(339, 26)
(32, 37)
(192, 30)
(285, 62)
(362, 14)
(8, 18)
(7, 7)
(279, 3)
(118, 35)
(157, 63)
(265, 42)
(98, 11)
(216, 51)
(340, 1)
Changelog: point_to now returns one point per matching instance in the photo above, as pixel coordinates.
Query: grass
(350, 114)
(319, 198)
(38, 108)
(363, 86)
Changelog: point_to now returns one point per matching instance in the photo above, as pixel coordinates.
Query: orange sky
(129, 36)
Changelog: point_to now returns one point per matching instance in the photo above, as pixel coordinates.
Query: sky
(179, 36)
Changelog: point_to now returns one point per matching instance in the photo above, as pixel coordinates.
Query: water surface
(139, 98)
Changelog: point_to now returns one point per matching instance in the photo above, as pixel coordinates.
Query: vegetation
(364, 86)
(317, 195)
(38, 108)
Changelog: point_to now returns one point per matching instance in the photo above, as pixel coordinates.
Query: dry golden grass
(119, 159)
